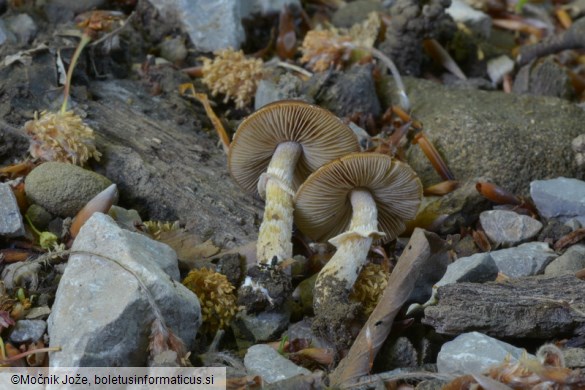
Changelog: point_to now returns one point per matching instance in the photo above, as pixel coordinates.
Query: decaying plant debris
(109, 90)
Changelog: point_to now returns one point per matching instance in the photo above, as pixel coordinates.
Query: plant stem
(85, 39)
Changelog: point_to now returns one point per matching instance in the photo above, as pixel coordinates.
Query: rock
(287, 86)
(544, 78)
(79, 6)
(211, 25)
(39, 217)
(23, 27)
(126, 219)
(28, 331)
(477, 21)
(303, 330)
(349, 92)
(569, 262)
(508, 228)
(560, 198)
(484, 133)
(102, 315)
(525, 260)
(539, 307)
(477, 268)
(355, 12)
(498, 67)
(574, 357)
(474, 353)
(63, 189)
(553, 230)
(396, 353)
(264, 361)
(11, 223)
(266, 6)
(259, 327)
(173, 50)
(38, 313)
(5, 34)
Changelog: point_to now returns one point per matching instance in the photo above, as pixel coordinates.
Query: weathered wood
(154, 147)
(167, 167)
(537, 307)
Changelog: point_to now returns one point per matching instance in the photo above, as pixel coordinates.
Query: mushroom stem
(338, 276)
(274, 238)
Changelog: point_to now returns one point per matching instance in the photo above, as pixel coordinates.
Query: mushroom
(350, 199)
(274, 150)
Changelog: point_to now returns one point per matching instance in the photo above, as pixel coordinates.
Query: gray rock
(428, 276)
(63, 189)
(484, 133)
(264, 361)
(211, 25)
(477, 268)
(11, 223)
(23, 26)
(560, 197)
(102, 315)
(259, 327)
(578, 146)
(126, 219)
(349, 92)
(38, 313)
(286, 86)
(303, 330)
(78, 6)
(28, 331)
(477, 21)
(569, 262)
(525, 260)
(173, 50)
(474, 353)
(266, 6)
(397, 353)
(508, 228)
(574, 357)
(5, 34)
(355, 12)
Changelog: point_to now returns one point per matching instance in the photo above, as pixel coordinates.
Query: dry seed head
(369, 287)
(56, 136)
(155, 228)
(216, 294)
(232, 74)
(324, 48)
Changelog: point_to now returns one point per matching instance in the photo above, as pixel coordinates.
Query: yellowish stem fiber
(274, 239)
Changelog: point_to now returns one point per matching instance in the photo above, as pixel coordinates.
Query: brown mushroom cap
(321, 134)
(322, 203)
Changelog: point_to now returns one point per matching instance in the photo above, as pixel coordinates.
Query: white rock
(264, 361)
(102, 315)
(474, 353)
(476, 20)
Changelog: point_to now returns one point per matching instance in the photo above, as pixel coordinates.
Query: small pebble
(524, 260)
(474, 352)
(569, 262)
(508, 228)
(560, 197)
(264, 361)
(27, 331)
(477, 268)
(11, 223)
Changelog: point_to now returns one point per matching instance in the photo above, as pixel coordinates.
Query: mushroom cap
(322, 135)
(322, 203)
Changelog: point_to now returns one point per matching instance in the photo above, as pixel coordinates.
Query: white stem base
(274, 239)
(342, 270)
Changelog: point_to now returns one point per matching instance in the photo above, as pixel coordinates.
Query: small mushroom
(273, 151)
(358, 199)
